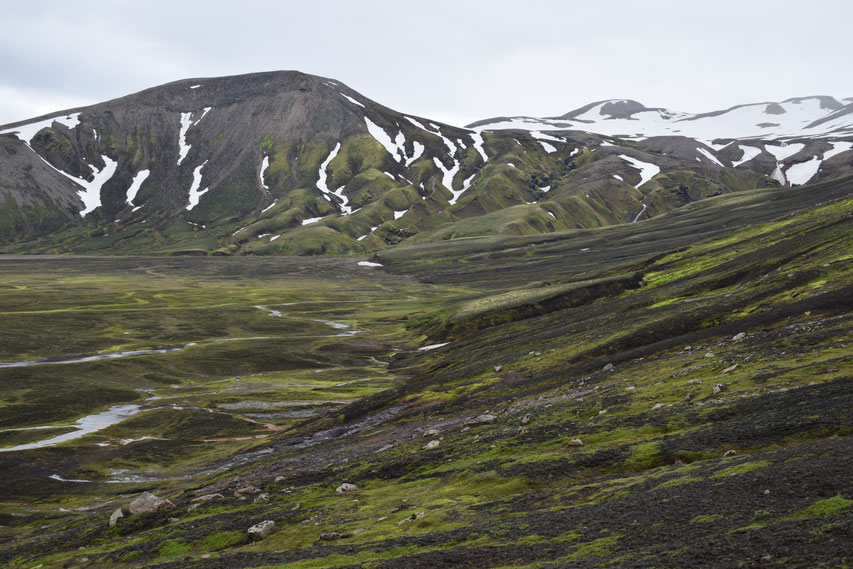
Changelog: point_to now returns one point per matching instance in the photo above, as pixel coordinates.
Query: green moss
(173, 549)
(706, 518)
(830, 506)
(222, 540)
(742, 468)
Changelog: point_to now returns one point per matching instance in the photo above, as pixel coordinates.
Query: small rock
(709, 354)
(259, 531)
(484, 419)
(720, 387)
(412, 518)
(174, 520)
(333, 535)
(694, 382)
(432, 444)
(738, 337)
(498, 368)
(280, 479)
(729, 369)
(526, 419)
(657, 406)
(766, 492)
(602, 412)
(688, 348)
(687, 397)
(346, 487)
(148, 502)
(244, 491)
(262, 499)
(607, 367)
(575, 443)
(207, 497)
(115, 516)
(431, 432)
(630, 388)
(729, 453)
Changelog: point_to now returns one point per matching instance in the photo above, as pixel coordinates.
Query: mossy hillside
(652, 474)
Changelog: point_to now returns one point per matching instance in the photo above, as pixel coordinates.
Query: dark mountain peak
(610, 108)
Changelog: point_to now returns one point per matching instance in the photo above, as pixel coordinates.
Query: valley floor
(673, 394)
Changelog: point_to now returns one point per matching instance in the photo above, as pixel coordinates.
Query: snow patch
(647, 169)
(417, 153)
(274, 237)
(91, 193)
(784, 151)
(265, 163)
(618, 177)
(182, 137)
(749, 152)
(710, 156)
(353, 101)
(269, 207)
(368, 263)
(195, 194)
(140, 177)
(27, 132)
(322, 179)
(393, 148)
(548, 147)
(416, 123)
(801, 173)
(399, 214)
(478, 145)
(194, 86)
(837, 148)
(311, 220)
(432, 347)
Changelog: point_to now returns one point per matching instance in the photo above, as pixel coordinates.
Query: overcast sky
(455, 61)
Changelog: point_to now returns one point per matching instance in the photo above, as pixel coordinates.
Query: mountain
(290, 163)
(796, 139)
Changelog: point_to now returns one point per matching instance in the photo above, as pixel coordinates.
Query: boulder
(115, 516)
(729, 369)
(244, 491)
(432, 444)
(484, 419)
(526, 419)
(694, 382)
(607, 367)
(262, 499)
(575, 443)
(720, 387)
(346, 487)
(739, 337)
(207, 497)
(259, 531)
(498, 368)
(148, 502)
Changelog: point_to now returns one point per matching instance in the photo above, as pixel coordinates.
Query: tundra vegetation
(671, 393)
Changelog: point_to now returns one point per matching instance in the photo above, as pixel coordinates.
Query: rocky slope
(668, 394)
(289, 163)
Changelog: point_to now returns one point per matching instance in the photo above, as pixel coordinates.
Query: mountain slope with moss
(669, 393)
(286, 163)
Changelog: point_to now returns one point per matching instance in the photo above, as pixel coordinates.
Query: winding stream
(118, 413)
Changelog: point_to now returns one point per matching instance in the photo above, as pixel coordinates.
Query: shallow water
(84, 426)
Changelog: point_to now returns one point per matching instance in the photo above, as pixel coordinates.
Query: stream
(118, 413)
